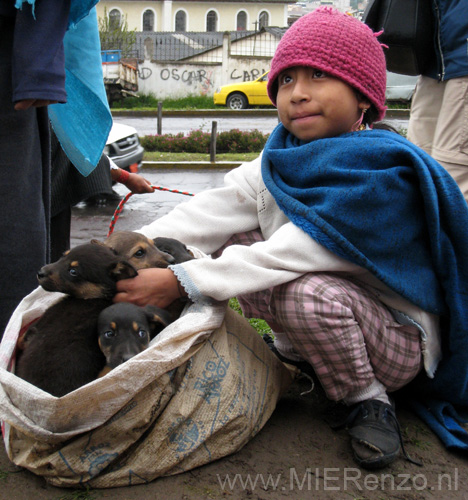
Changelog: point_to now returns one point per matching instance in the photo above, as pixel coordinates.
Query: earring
(359, 125)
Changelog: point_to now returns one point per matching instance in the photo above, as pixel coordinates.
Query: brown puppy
(142, 253)
(60, 351)
(138, 250)
(125, 330)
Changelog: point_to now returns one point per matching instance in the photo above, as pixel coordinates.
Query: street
(174, 125)
(93, 222)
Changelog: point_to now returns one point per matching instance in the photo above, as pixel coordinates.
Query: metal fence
(174, 46)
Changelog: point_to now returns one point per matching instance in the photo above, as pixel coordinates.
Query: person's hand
(155, 286)
(138, 184)
(32, 103)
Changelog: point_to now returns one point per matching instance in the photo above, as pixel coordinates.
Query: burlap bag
(204, 387)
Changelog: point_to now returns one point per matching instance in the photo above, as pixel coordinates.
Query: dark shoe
(375, 434)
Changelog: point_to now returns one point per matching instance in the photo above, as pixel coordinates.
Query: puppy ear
(102, 244)
(122, 270)
(97, 242)
(157, 318)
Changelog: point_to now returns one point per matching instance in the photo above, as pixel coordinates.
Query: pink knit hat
(338, 44)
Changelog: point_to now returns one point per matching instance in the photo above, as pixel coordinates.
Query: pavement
(90, 222)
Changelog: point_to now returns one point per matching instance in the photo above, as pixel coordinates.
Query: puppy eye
(142, 333)
(109, 334)
(139, 253)
(73, 272)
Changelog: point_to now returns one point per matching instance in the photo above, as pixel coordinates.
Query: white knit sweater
(210, 218)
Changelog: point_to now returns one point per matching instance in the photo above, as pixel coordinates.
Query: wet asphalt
(93, 222)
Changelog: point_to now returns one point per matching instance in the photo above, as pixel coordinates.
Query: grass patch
(259, 324)
(157, 156)
(147, 102)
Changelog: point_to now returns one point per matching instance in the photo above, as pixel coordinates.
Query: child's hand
(158, 287)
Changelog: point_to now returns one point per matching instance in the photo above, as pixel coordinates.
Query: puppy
(125, 330)
(174, 248)
(142, 253)
(61, 351)
(138, 250)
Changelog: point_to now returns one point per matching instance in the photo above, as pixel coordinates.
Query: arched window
(263, 19)
(241, 20)
(181, 21)
(115, 18)
(211, 21)
(148, 20)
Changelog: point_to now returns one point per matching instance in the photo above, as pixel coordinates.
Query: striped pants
(349, 337)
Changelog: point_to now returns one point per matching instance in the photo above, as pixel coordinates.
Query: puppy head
(87, 271)
(138, 250)
(173, 247)
(125, 330)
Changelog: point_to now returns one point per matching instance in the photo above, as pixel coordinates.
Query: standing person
(350, 242)
(439, 110)
(69, 187)
(31, 77)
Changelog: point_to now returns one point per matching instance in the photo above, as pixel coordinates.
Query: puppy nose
(41, 274)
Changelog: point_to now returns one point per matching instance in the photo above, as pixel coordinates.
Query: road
(174, 125)
(90, 222)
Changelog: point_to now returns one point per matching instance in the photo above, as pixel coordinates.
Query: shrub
(197, 141)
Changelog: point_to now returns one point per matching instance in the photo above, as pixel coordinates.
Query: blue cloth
(377, 200)
(82, 125)
(78, 8)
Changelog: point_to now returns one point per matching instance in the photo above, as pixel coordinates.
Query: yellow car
(243, 95)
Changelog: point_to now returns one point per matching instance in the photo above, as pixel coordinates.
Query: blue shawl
(377, 200)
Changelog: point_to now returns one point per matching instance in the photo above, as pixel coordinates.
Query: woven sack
(205, 386)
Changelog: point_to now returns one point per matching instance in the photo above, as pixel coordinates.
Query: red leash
(119, 208)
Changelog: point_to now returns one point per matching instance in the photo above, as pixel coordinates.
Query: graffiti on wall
(199, 76)
(247, 76)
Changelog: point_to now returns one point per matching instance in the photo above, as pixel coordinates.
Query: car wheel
(237, 101)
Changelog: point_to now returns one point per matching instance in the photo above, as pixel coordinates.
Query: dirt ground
(296, 455)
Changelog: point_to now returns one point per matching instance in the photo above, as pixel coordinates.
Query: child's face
(313, 105)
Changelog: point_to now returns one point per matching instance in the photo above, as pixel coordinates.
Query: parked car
(400, 87)
(123, 146)
(245, 94)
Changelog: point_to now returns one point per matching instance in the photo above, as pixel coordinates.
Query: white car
(124, 148)
(400, 87)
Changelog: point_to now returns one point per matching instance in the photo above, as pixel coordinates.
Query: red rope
(119, 208)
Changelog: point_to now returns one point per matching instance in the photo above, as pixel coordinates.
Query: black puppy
(175, 248)
(125, 330)
(60, 352)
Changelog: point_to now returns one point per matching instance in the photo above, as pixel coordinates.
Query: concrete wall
(197, 77)
(180, 80)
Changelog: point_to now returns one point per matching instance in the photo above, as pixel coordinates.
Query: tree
(115, 35)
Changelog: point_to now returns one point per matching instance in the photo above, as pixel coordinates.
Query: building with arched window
(195, 15)
(241, 20)
(148, 20)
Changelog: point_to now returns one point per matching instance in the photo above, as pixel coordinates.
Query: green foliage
(116, 37)
(259, 324)
(197, 141)
(150, 102)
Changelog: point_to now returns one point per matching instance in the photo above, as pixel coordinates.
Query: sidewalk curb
(195, 165)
